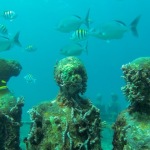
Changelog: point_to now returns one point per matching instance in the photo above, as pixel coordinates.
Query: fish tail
(16, 39)
(134, 24)
(87, 20)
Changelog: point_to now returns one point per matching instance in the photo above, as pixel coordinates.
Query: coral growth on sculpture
(10, 107)
(69, 122)
(132, 126)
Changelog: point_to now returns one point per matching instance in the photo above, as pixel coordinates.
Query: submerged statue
(10, 107)
(132, 128)
(69, 122)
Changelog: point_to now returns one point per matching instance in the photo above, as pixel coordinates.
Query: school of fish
(79, 29)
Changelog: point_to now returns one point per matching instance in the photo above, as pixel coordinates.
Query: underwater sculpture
(9, 68)
(10, 107)
(69, 122)
(132, 128)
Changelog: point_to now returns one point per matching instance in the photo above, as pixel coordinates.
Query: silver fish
(7, 43)
(73, 49)
(73, 23)
(115, 29)
(3, 29)
(8, 15)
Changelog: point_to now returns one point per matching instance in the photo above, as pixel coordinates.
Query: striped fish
(79, 35)
(3, 29)
(9, 15)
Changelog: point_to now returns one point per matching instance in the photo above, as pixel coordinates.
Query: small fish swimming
(30, 48)
(8, 15)
(79, 35)
(115, 29)
(29, 78)
(3, 29)
(73, 23)
(7, 43)
(74, 49)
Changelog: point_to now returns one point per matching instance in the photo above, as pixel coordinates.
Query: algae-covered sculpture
(69, 122)
(132, 127)
(10, 107)
(9, 68)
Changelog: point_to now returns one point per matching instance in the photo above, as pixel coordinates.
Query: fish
(115, 29)
(8, 15)
(7, 43)
(73, 49)
(30, 48)
(3, 29)
(73, 23)
(79, 35)
(29, 78)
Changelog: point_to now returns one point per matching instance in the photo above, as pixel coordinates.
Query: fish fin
(121, 22)
(16, 39)
(4, 37)
(87, 20)
(134, 24)
(77, 16)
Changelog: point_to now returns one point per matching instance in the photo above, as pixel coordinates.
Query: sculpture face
(137, 88)
(70, 75)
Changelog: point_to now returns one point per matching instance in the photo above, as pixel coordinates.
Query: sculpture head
(9, 68)
(70, 75)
